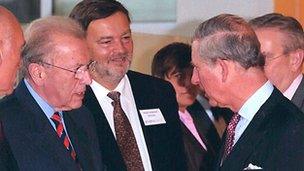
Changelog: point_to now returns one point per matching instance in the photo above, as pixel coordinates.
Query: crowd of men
(77, 105)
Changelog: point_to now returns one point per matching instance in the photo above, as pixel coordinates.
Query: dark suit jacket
(29, 142)
(164, 141)
(298, 97)
(204, 125)
(274, 139)
(197, 157)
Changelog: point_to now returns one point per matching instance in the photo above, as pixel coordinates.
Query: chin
(213, 103)
(6, 92)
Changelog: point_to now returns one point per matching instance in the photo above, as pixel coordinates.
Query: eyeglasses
(275, 57)
(80, 69)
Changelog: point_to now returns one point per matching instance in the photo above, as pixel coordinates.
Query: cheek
(129, 47)
(275, 69)
(269, 70)
(99, 54)
(67, 88)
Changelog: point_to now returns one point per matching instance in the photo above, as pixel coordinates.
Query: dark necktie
(230, 134)
(125, 136)
(56, 118)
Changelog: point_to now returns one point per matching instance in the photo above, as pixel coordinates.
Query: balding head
(11, 41)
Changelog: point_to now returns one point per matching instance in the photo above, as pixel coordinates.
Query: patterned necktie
(230, 134)
(125, 136)
(56, 118)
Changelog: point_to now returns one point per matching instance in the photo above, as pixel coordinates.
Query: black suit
(274, 139)
(164, 141)
(197, 157)
(29, 142)
(298, 97)
(205, 126)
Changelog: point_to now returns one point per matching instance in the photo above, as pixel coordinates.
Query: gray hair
(39, 37)
(229, 37)
(289, 26)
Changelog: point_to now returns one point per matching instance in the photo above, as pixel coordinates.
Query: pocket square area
(252, 167)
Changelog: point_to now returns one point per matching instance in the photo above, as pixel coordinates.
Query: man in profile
(43, 126)
(136, 114)
(282, 43)
(266, 130)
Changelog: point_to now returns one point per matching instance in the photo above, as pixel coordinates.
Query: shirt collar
(121, 87)
(293, 87)
(46, 108)
(253, 104)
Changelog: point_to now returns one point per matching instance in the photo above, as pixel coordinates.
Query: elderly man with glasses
(43, 122)
(282, 43)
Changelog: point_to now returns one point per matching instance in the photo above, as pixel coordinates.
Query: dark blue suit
(29, 142)
(274, 139)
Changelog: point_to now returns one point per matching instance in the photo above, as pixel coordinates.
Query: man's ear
(37, 73)
(296, 60)
(223, 66)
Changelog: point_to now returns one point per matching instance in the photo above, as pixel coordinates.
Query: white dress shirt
(251, 107)
(129, 107)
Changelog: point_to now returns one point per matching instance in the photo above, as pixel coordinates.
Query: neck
(287, 81)
(182, 109)
(106, 81)
(250, 82)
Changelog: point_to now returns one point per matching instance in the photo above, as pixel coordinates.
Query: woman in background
(201, 140)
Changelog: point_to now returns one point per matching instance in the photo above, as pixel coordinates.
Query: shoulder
(8, 106)
(81, 115)
(137, 78)
(283, 113)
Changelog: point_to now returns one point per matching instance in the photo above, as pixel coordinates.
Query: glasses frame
(275, 57)
(66, 69)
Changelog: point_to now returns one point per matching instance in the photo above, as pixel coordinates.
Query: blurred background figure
(201, 140)
(282, 43)
(11, 41)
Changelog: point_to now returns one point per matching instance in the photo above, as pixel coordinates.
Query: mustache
(120, 56)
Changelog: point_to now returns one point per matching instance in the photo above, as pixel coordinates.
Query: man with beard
(136, 115)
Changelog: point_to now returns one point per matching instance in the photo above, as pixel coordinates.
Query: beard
(114, 69)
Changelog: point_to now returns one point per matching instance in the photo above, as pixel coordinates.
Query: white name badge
(152, 117)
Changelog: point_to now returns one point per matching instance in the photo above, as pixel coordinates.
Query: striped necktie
(56, 118)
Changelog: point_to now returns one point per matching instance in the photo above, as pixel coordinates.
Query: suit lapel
(252, 135)
(108, 144)
(79, 141)
(143, 101)
(39, 132)
(204, 126)
(298, 97)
